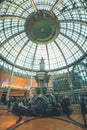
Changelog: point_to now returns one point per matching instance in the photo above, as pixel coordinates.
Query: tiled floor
(8, 121)
(48, 124)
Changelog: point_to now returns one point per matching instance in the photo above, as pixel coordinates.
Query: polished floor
(8, 121)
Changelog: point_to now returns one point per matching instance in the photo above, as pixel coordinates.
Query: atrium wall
(18, 82)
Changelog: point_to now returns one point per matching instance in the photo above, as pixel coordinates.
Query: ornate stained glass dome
(31, 29)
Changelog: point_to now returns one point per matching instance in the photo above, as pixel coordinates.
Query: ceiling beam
(4, 17)
(9, 38)
(33, 5)
(75, 43)
(48, 56)
(74, 21)
(55, 5)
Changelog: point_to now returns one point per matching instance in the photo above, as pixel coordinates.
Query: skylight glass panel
(18, 2)
(67, 16)
(25, 5)
(85, 46)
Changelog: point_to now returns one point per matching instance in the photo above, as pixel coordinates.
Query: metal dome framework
(19, 52)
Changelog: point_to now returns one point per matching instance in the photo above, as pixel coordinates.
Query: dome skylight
(23, 41)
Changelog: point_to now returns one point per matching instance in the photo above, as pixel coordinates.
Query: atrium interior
(43, 59)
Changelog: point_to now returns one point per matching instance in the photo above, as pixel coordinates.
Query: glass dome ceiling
(53, 29)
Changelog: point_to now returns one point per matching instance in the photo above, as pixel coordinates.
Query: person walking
(9, 105)
(83, 111)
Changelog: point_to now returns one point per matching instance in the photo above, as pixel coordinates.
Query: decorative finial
(42, 64)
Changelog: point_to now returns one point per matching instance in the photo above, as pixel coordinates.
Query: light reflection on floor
(7, 120)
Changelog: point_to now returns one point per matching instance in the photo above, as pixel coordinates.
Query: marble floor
(8, 121)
